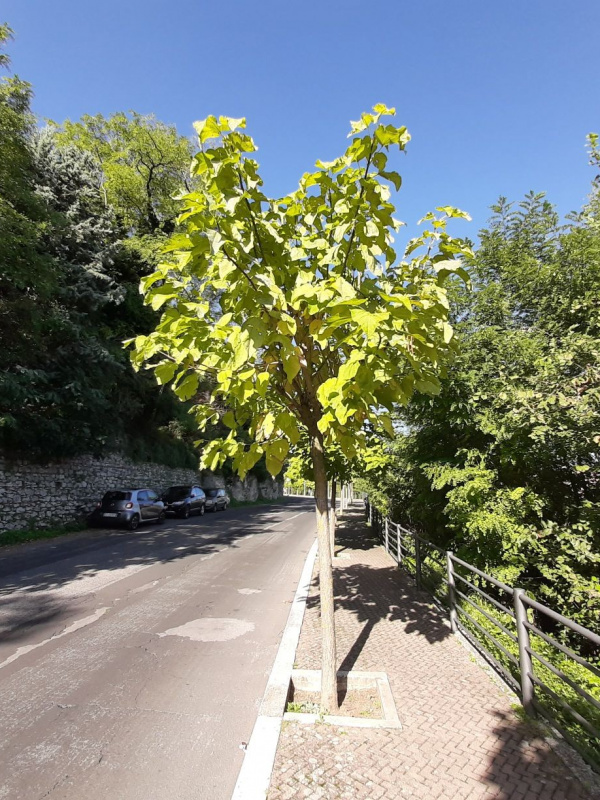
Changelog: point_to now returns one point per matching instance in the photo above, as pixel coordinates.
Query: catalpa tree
(299, 311)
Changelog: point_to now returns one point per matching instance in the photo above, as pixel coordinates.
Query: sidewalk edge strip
(255, 775)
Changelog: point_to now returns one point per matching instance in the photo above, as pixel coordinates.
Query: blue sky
(497, 96)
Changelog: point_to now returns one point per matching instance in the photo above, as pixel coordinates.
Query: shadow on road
(28, 575)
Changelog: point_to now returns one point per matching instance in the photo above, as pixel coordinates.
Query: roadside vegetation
(34, 533)
(502, 465)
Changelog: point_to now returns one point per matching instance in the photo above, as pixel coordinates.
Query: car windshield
(177, 492)
(114, 497)
(211, 492)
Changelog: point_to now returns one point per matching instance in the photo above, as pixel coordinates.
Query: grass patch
(260, 502)
(33, 534)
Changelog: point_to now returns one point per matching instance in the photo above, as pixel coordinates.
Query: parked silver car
(216, 499)
(129, 507)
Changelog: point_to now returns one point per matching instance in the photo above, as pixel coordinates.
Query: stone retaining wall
(41, 495)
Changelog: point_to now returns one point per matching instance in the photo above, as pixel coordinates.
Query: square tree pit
(369, 689)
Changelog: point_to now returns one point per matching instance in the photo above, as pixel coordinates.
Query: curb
(255, 775)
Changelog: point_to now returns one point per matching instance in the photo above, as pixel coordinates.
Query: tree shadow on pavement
(373, 594)
(522, 764)
(518, 761)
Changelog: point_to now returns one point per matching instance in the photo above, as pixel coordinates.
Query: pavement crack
(179, 714)
(49, 792)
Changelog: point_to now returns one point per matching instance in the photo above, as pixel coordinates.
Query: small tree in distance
(299, 310)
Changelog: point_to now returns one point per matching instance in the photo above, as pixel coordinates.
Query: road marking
(249, 591)
(75, 626)
(141, 588)
(299, 514)
(282, 521)
(255, 774)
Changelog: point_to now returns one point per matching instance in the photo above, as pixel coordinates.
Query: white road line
(289, 519)
(74, 626)
(255, 774)
(286, 519)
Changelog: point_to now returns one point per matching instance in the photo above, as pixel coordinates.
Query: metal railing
(344, 496)
(298, 490)
(517, 635)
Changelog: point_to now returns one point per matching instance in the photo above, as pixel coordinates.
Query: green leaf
(291, 365)
(448, 332)
(381, 108)
(207, 129)
(164, 372)
(160, 295)
(368, 322)
(393, 177)
(229, 419)
(276, 452)
(188, 387)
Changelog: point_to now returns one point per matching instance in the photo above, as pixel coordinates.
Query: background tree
(69, 276)
(503, 465)
(27, 274)
(145, 167)
(300, 310)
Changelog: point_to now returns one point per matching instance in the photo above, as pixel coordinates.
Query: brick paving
(460, 737)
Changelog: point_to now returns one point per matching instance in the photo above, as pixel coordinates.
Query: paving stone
(460, 737)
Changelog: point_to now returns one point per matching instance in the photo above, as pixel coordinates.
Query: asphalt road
(132, 665)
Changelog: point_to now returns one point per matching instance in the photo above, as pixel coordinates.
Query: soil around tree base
(362, 703)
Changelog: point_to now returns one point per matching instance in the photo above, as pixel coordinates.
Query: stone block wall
(42, 495)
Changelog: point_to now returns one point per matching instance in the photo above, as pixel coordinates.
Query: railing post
(525, 664)
(370, 514)
(451, 592)
(387, 535)
(417, 562)
(398, 544)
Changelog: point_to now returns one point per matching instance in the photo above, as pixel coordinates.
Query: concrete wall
(41, 495)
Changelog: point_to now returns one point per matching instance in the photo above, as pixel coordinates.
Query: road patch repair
(210, 629)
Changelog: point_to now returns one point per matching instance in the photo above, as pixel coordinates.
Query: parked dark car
(216, 499)
(129, 507)
(184, 500)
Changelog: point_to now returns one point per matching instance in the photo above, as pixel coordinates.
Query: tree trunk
(332, 518)
(329, 700)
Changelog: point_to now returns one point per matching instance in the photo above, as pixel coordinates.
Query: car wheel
(185, 514)
(161, 518)
(134, 522)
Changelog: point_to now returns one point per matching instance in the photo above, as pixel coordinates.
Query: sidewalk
(460, 737)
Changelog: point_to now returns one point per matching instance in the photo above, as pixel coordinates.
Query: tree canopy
(299, 309)
(145, 166)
